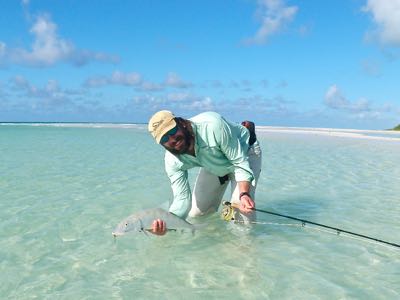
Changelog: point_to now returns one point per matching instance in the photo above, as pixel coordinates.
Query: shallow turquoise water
(63, 189)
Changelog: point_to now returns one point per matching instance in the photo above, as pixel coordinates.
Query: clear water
(63, 189)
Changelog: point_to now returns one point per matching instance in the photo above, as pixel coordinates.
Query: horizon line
(142, 123)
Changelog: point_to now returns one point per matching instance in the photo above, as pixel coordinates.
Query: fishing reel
(228, 212)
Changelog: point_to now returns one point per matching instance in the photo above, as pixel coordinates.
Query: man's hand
(159, 227)
(246, 204)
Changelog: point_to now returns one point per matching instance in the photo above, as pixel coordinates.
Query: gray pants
(208, 191)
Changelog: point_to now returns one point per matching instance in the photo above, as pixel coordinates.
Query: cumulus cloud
(116, 78)
(147, 86)
(273, 15)
(386, 16)
(188, 103)
(360, 109)
(173, 80)
(179, 97)
(200, 104)
(178, 102)
(256, 105)
(336, 100)
(47, 102)
(48, 48)
(50, 93)
(136, 80)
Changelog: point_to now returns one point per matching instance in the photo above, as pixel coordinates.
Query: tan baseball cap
(160, 123)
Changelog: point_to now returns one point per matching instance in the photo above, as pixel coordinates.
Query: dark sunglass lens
(164, 139)
(166, 136)
(173, 130)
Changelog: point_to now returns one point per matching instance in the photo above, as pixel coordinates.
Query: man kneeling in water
(224, 151)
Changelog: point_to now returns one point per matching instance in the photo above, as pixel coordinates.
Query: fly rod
(228, 215)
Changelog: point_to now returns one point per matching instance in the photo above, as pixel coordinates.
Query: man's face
(178, 141)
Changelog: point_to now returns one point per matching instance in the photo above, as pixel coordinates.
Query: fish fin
(142, 229)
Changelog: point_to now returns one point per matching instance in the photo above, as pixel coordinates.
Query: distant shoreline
(262, 127)
(397, 128)
(333, 132)
(122, 123)
(388, 135)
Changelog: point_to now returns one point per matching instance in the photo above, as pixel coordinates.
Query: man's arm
(181, 201)
(246, 202)
(235, 149)
(182, 196)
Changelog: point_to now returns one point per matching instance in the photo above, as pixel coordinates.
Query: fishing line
(228, 213)
(316, 229)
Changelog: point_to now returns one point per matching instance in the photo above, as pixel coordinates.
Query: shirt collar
(196, 145)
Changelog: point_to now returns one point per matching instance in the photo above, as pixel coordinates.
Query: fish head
(130, 224)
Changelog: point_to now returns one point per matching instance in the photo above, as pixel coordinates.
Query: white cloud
(116, 78)
(334, 98)
(48, 48)
(173, 80)
(273, 16)
(148, 86)
(178, 97)
(135, 79)
(386, 15)
(202, 104)
(360, 109)
(126, 78)
(187, 101)
(177, 102)
(51, 90)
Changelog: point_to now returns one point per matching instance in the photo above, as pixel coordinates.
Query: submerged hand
(246, 204)
(159, 227)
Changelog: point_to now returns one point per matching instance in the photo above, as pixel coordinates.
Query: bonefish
(142, 221)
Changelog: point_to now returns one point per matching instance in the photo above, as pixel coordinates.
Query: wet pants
(208, 190)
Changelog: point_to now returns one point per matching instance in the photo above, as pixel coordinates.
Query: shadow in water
(299, 207)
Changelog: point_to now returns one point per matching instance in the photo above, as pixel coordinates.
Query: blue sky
(333, 63)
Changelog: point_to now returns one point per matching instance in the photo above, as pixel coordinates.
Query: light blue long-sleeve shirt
(221, 148)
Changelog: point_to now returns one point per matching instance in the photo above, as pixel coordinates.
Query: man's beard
(187, 141)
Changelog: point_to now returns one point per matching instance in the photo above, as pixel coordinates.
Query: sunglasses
(166, 136)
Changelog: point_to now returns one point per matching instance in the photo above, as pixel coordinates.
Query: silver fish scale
(143, 220)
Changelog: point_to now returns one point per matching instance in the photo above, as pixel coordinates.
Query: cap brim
(165, 130)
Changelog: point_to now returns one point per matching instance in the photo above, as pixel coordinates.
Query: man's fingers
(154, 227)
(159, 227)
(247, 205)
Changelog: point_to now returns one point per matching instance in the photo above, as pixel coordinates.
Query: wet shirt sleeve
(180, 187)
(234, 144)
